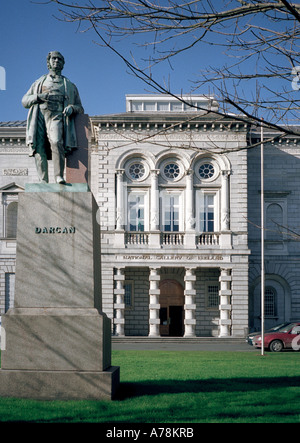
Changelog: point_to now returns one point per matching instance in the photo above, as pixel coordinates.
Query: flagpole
(262, 243)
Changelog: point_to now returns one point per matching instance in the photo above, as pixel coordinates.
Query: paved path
(205, 345)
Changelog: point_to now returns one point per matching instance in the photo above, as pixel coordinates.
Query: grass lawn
(183, 387)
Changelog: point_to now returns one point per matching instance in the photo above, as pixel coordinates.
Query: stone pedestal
(56, 341)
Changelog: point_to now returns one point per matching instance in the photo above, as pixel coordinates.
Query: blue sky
(29, 31)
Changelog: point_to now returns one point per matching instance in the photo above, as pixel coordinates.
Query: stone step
(176, 340)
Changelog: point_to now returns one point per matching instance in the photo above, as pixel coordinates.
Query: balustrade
(172, 239)
(208, 239)
(137, 238)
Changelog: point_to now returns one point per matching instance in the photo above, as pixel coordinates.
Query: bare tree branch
(261, 37)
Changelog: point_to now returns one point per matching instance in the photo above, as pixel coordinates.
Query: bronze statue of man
(53, 102)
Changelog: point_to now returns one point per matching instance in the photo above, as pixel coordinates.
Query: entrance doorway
(171, 308)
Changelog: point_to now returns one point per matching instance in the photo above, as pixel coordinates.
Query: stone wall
(282, 188)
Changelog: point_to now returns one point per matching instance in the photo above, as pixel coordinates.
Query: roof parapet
(169, 103)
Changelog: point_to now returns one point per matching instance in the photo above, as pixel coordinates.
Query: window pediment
(12, 187)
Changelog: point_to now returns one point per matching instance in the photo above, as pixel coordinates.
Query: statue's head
(57, 57)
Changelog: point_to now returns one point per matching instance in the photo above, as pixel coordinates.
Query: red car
(287, 337)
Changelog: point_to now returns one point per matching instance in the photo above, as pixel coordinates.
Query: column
(225, 303)
(154, 214)
(225, 218)
(225, 238)
(189, 216)
(154, 306)
(119, 237)
(120, 200)
(189, 240)
(119, 304)
(154, 238)
(190, 305)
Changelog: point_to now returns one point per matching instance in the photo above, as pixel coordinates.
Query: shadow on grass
(152, 388)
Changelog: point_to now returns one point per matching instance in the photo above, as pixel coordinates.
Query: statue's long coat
(30, 101)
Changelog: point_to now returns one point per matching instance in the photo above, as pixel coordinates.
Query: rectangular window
(137, 106)
(171, 211)
(190, 107)
(9, 290)
(163, 106)
(149, 106)
(136, 211)
(269, 302)
(176, 107)
(207, 213)
(11, 220)
(9, 214)
(128, 297)
(212, 296)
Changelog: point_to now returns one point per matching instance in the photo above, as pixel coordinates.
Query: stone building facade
(179, 207)
(282, 229)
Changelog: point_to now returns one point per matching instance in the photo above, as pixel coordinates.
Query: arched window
(274, 225)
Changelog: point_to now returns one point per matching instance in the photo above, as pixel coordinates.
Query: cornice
(12, 136)
(166, 122)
